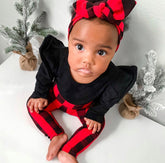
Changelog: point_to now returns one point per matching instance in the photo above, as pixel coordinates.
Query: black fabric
(105, 91)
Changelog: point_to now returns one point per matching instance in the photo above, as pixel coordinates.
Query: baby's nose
(88, 59)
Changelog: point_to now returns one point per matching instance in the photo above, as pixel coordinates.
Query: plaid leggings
(46, 122)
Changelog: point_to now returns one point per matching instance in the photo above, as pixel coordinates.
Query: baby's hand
(37, 104)
(93, 125)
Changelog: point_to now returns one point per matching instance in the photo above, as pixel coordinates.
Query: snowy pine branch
(37, 22)
(32, 7)
(16, 48)
(6, 32)
(19, 8)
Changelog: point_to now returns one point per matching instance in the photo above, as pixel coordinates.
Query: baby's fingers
(45, 103)
(31, 106)
(87, 121)
(95, 128)
(98, 127)
(36, 107)
(31, 109)
(91, 125)
(42, 104)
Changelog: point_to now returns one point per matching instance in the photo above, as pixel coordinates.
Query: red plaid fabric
(112, 11)
(46, 122)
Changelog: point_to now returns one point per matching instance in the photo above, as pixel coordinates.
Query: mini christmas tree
(150, 82)
(20, 35)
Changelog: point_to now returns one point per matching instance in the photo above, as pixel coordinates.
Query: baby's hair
(125, 21)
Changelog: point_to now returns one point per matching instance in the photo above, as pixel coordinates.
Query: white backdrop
(146, 29)
(145, 33)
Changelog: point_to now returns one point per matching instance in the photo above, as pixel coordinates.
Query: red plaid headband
(112, 11)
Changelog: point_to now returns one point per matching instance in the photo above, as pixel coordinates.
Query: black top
(105, 91)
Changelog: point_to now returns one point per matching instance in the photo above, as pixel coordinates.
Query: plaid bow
(112, 11)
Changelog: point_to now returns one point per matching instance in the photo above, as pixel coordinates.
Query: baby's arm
(93, 125)
(36, 104)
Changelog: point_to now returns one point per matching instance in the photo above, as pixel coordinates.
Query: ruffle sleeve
(119, 85)
(50, 52)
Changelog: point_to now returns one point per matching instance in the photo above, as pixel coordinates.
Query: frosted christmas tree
(150, 82)
(20, 35)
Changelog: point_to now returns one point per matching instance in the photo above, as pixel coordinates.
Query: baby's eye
(101, 52)
(79, 47)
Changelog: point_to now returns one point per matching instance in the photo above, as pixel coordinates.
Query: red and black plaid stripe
(81, 140)
(46, 122)
(112, 11)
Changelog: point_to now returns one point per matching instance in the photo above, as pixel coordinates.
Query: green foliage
(24, 31)
(15, 48)
(37, 29)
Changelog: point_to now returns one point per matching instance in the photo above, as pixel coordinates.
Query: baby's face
(92, 45)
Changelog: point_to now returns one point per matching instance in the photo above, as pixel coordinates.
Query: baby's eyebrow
(76, 39)
(99, 45)
(105, 46)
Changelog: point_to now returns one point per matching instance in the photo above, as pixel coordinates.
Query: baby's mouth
(85, 71)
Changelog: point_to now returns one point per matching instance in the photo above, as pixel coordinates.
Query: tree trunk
(28, 61)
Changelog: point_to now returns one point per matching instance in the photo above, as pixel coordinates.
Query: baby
(81, 79)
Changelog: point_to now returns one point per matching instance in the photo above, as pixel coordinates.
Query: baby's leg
(46, 122)
(65, 157)
(80, 141)
(55, 145)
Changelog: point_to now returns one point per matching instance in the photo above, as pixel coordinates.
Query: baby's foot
(66, 157)
(55, 146)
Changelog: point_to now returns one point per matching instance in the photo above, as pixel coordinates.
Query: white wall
(58, 15)
(146, 32)
(8, 16)
(146, 28)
